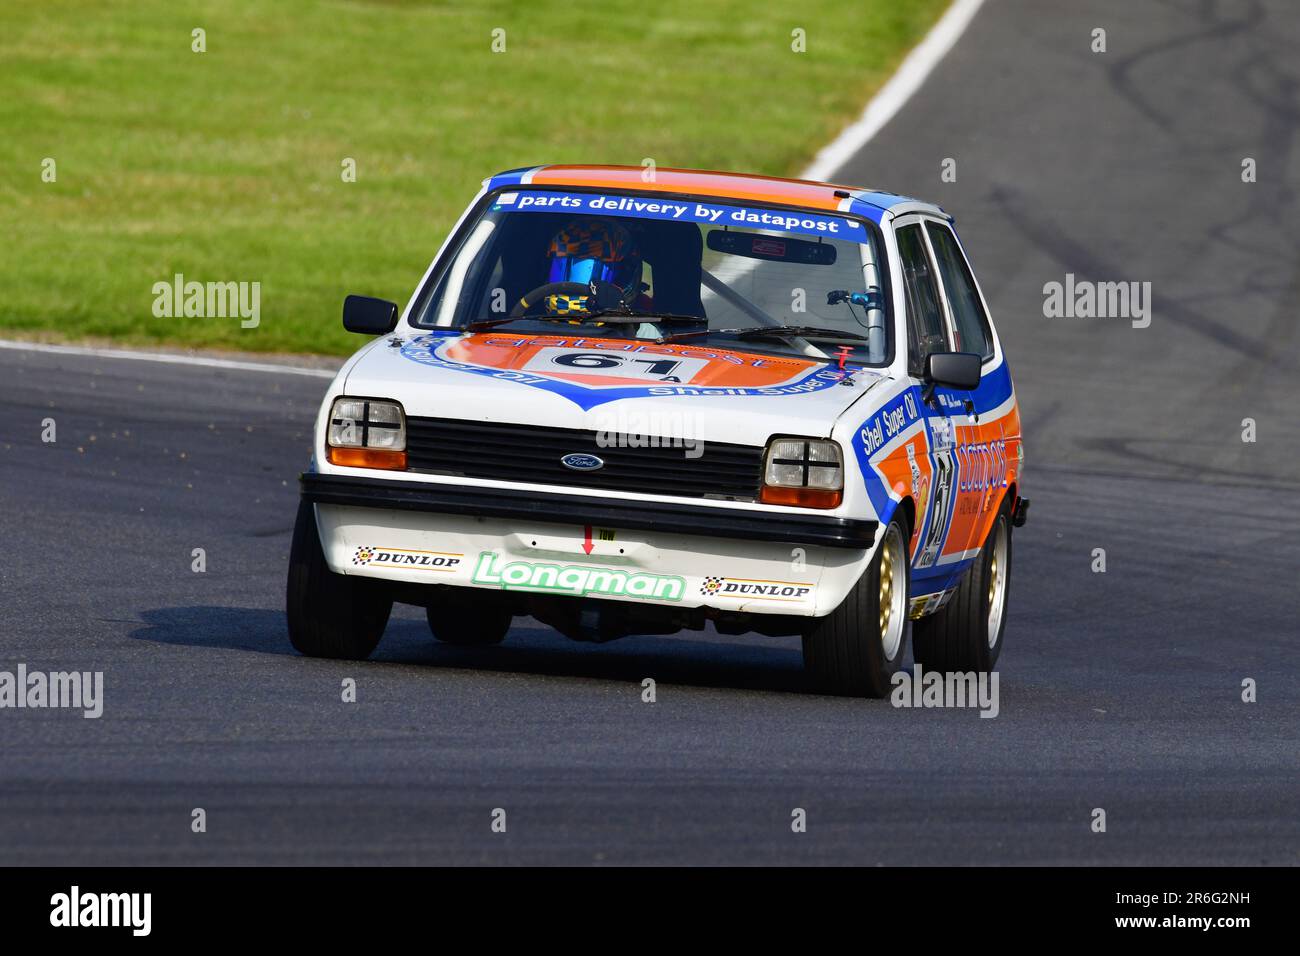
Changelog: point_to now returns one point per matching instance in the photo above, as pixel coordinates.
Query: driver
(593, 249)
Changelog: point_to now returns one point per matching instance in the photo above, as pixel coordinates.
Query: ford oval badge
(581, 462)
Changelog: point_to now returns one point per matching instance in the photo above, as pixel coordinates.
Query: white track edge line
(170, 358)
(891, 97)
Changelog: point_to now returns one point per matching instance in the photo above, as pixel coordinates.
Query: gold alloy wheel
(893, 591)
(997, 580)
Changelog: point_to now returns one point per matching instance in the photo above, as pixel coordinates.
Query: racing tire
(966, 633)
(469, 623)
(857, 648)
(330, 615)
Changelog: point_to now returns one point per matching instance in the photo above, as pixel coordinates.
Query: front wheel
(857, 648)
(966, 634)
(330, 615)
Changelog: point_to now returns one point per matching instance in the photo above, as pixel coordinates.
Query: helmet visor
(582, 270)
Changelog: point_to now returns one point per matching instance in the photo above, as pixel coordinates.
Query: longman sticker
(575, 579)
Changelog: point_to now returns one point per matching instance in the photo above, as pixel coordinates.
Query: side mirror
(369, 316)
(953, 369)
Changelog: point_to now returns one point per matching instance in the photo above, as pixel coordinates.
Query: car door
(927, 331)
(979, 445)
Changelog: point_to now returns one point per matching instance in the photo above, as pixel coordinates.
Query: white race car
(630, 407)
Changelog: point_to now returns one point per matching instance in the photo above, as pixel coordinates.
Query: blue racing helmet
(592, 249)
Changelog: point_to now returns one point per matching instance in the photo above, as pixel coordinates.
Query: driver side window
(925, 326)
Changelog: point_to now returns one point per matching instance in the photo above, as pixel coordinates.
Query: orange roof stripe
(763, 189)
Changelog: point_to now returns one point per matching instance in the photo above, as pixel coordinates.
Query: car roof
(870, 203)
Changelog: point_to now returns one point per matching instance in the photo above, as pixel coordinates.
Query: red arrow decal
(586, 539)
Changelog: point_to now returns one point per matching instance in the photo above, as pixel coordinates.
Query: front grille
(528, 453)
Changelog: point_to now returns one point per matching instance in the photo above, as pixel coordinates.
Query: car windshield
(664, 268)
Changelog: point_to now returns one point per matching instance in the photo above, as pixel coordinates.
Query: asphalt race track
(1119, 690)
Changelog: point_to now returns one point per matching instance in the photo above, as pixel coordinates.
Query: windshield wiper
(650, 317)
(608, 316)
(776, 332)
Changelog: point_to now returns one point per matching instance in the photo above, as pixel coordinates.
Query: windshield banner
(682, 210)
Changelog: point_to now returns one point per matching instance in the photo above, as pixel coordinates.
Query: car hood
(606, 384)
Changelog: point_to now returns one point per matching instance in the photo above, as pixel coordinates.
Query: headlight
(807, 472)
(366, 433)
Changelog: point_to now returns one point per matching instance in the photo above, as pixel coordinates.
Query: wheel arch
(907, 508)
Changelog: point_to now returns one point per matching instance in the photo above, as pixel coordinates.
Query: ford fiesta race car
(629, 407)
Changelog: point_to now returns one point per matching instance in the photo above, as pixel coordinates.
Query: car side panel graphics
(954, 467)
(938, 515)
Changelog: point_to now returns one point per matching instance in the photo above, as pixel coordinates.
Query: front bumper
(686, 556)
(630, 514)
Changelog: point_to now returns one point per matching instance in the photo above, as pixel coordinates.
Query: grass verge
(226, 165)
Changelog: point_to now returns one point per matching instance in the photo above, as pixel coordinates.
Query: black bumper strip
(634, 515)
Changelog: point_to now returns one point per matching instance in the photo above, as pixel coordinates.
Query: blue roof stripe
(866, 210)
(881, 200)
(510, 177)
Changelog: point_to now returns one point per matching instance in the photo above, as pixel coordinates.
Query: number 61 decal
(590, 360)
(612, 365)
